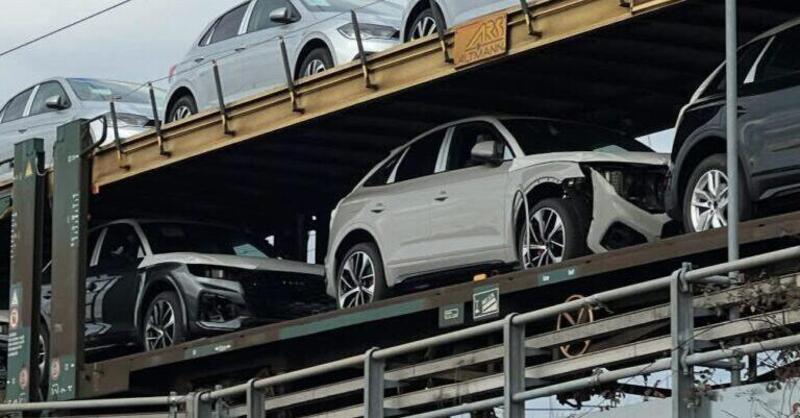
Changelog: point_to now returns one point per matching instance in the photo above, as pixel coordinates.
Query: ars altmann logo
(481, 40)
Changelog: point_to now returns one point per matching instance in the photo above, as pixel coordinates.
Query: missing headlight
(215, 308)
(642, 185)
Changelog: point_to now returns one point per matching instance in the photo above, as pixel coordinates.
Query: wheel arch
(151, 290)
(176, 95)
(418, 8)
(549, 188)
(356, 236)
(308, 46)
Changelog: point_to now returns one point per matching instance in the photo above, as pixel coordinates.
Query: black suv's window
(260, 20)
(747, 58)
(229, 23)
(782, 58)
(46, 91)
(121, 246)
(16, 107)
(381, 176)
(420, 159)
(464, 139)
(540, 136)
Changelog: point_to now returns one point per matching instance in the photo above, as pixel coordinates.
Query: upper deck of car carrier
(629, 65)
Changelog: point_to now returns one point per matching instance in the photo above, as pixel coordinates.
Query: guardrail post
(513, 367)
(255, 401)
(526, 9)
(440, 29)
(71, 166)
(157, 121)
(221, 99)
(682, 331)
(27, 238)
(362, 56)
(196, 408)
(287, 70)
(373, 385)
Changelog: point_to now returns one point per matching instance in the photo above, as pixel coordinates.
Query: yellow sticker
(28, 170)
(481, 40)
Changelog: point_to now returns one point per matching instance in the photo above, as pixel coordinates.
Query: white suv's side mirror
(488, 152)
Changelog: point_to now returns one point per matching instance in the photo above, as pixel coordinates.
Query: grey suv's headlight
(369, 31)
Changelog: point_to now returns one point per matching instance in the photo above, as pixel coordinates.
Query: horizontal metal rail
(172, 400)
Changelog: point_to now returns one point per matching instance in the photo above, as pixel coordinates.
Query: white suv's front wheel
(556, 233)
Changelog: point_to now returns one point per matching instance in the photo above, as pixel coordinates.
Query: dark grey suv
(769, 147)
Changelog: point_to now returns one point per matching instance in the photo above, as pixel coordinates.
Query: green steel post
(70, 207)
(27, 219)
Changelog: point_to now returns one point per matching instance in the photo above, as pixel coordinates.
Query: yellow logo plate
(481, 40)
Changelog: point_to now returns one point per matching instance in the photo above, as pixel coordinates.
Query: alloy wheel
(181, 112)
(41, 358)
(545, 242)
(424, 27)
(159, 328)
(314, 66)
(709, 204)
(356, 280)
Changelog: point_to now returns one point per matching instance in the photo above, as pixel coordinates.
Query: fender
(146, 284)
(309, 37)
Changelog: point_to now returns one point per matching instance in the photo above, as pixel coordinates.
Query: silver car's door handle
(241, 48)
(22, 131)
(378, 208)
(199, 59)
(442, 196)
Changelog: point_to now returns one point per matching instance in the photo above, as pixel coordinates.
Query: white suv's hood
(648, 158)
(246, 263)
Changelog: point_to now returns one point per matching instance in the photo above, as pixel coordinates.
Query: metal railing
(515, 391)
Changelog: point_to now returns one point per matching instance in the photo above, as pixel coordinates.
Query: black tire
(381, 289)
(310, 64)
(44, 369)
(425, 16)
(180, 107)
(574, 230)
(173, 335)
(714, 162)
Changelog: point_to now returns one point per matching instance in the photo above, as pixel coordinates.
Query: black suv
(769, 143)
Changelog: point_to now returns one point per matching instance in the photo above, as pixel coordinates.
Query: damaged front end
(627, 204)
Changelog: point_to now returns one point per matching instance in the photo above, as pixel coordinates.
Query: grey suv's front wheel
(164, 323)
(361, 279)
(556, 234)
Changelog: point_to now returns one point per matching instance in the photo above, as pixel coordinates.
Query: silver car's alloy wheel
(182, 112)
(424, 27)
(159, 330)
(314, 66)
(546, 239)
(709, 207)
(356, 280)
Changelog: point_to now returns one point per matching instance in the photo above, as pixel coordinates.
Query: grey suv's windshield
(92, 90)
(175, 237)
(540, 136)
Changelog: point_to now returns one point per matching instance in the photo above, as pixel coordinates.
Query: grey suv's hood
(246, 263)
(648, 158)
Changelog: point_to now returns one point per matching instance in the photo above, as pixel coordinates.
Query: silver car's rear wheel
(182, 112)
(709, 206)
(357, 280)
(315, 66)
(546, 240)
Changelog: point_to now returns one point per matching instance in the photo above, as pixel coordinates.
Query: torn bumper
(615, 219)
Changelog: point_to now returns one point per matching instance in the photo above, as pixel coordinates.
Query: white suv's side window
(420, 159)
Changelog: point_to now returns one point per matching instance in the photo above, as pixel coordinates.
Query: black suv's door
(771, 116)
(112, 283)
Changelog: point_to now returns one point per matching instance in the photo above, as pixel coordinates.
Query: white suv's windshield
(92, 90)
(540, 136)
(175, 237)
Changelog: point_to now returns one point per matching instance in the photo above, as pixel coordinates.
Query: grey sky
(135, 42)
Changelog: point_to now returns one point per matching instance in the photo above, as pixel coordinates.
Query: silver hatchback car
(452, 201)
(245, 42)
(39, 110)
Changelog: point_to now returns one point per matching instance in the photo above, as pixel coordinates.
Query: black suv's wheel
(705, 201)
(556, 234)
(424, 24)
(361, 279)
(184, 107)
(317, 61)
(164, 324)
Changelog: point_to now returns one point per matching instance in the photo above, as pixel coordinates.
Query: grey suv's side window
(782, 57)
(228, 25)
(420, 159)
(16, 107)
(121, 245)
(259, 18)
(459, 154)
(46, 91)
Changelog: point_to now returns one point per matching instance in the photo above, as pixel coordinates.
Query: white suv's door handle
(442, 196)
(378, 208)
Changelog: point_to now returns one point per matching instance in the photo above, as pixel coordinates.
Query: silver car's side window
(46, 91)
(15, 109)
(228, 25)
(260, 20)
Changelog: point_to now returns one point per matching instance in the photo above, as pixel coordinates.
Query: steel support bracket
(287, 70)
(374, 385)
(117, 139)
(682, 331)
(362, 56)
(157, 121)
(526, 10)
(513, 367)
(223, 110)
(173, 405)
(255, 400)
(441, 31)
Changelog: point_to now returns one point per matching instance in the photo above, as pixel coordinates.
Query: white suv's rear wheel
(361, 279)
